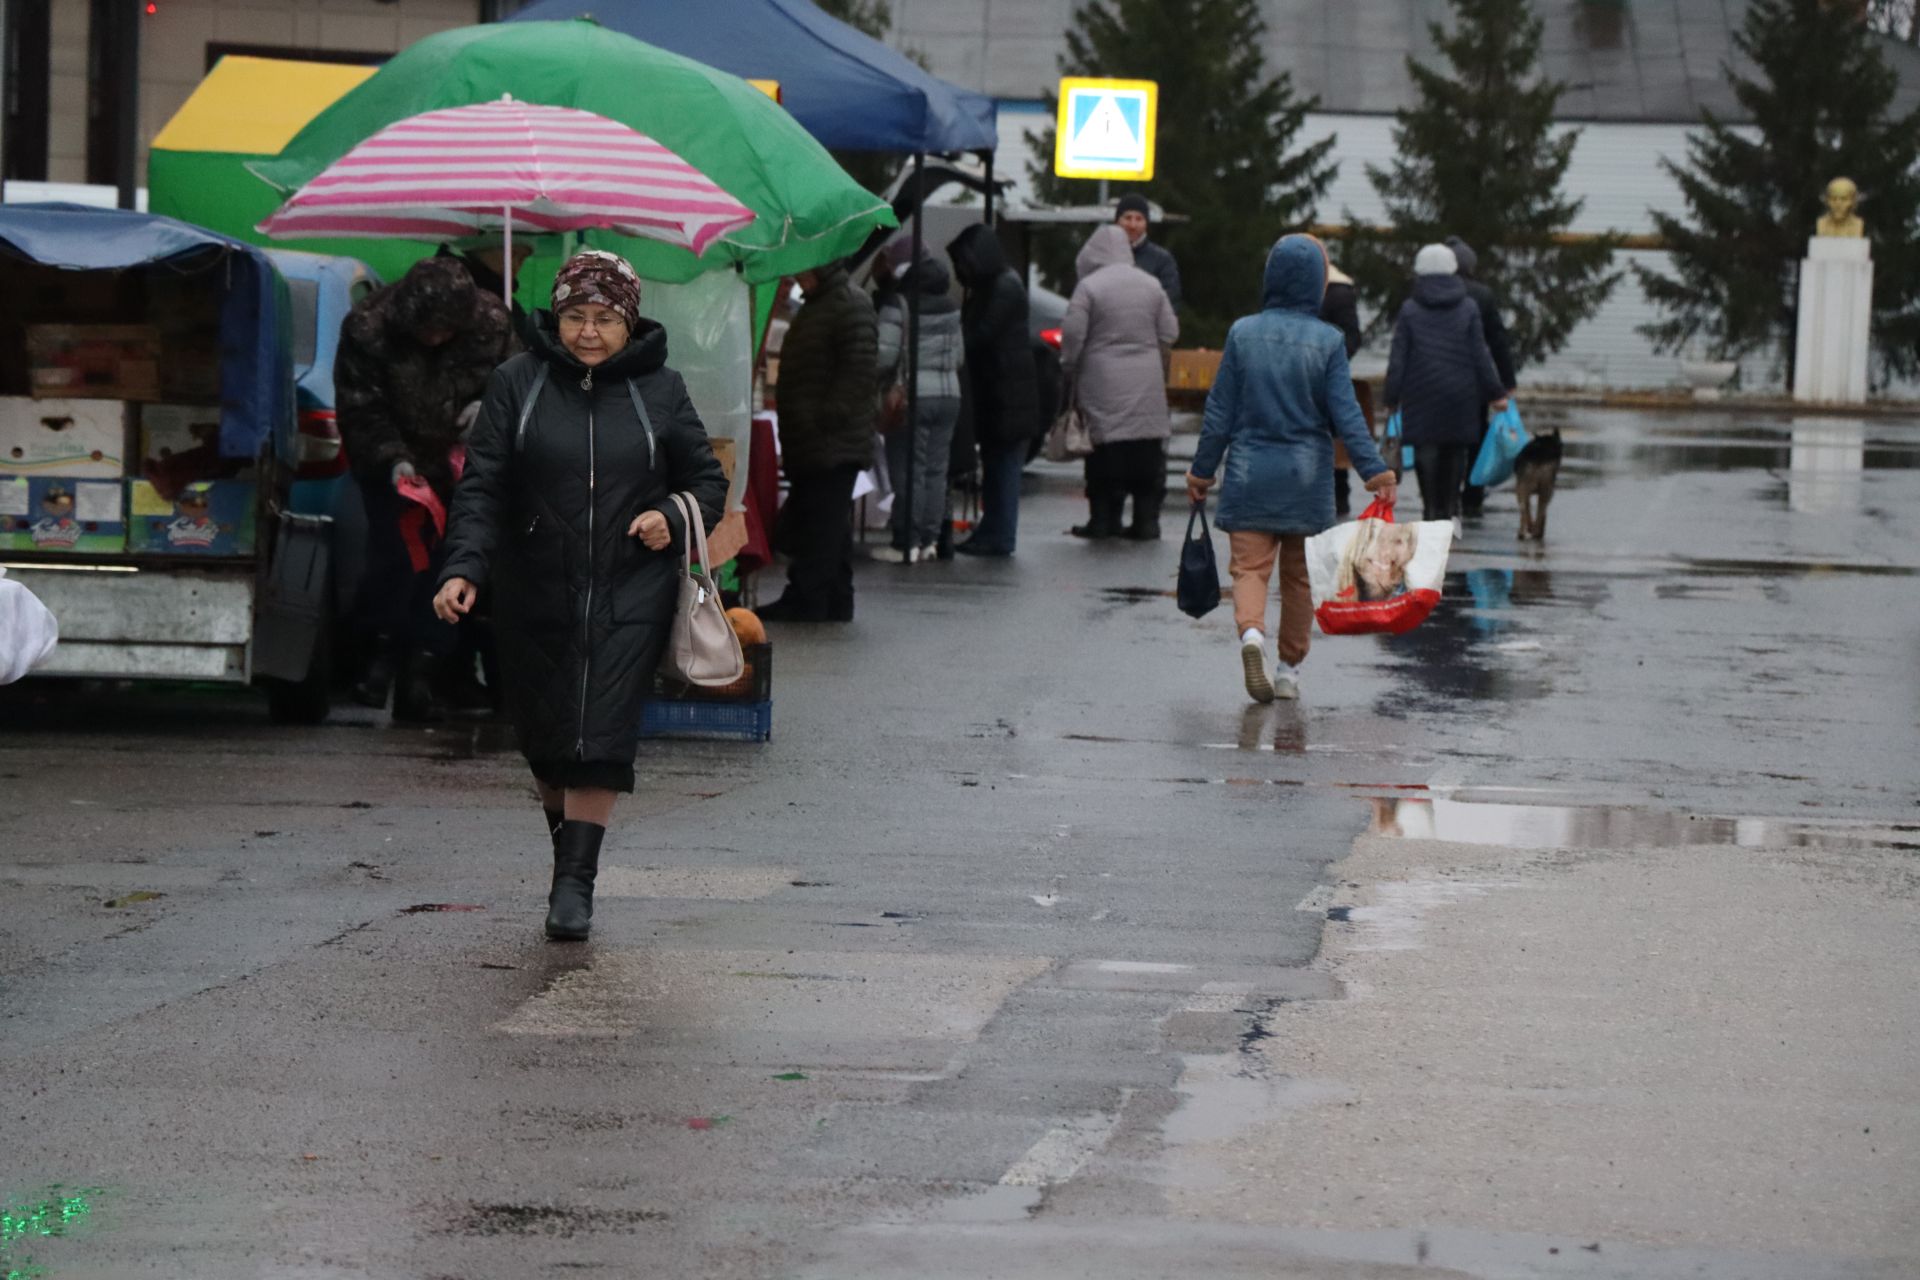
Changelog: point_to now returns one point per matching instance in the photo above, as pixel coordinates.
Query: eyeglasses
(572, 320)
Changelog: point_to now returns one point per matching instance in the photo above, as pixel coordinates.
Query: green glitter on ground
(21, 1224)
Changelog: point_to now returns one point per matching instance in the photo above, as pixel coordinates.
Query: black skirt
(599, 775)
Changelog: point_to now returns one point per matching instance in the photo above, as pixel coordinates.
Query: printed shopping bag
(28, 631)
(1198, 591)
(1506, 437)
(1372, 575)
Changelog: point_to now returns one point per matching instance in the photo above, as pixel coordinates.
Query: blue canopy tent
(848, 90)
(256, 362)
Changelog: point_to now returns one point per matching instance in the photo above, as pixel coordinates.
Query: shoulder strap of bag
(526, 409)
(646, 422)
(695, 546)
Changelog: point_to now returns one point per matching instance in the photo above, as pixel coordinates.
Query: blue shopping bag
(1394, 451)
(1198, 590)
(1506, 437)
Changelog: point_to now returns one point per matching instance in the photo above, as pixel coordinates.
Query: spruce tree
(1225, 152)
(1479, 157)
(1822, 108)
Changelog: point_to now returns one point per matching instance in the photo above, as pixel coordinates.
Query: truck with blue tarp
(149, 439)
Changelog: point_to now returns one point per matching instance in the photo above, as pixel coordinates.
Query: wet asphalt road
(1018, 855)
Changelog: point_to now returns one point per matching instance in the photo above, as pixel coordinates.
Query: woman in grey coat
(937, 401)
(1441, 377)
(1114, 346)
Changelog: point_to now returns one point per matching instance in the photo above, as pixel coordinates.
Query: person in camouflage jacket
(413, 357)
(413, 363)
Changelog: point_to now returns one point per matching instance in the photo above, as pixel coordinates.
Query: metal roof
(1622, 60)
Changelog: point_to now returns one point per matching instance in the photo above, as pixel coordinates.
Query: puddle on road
(550, 1220)
(1134, 595)
(1794, 568)
(1527, 826)
(1806, 446)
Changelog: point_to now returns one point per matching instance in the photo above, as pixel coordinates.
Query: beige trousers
(1250, 564)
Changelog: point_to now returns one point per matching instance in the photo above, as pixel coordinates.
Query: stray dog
(1534, 473)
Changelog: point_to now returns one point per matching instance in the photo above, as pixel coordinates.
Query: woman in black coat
(1003, 378)
(564, 514)
(1441, 377)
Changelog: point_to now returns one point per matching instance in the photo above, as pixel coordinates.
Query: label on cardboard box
(62, 437)
(208, 518)
(167, 429)
(60, 513)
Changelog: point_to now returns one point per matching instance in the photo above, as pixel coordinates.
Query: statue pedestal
(1836, 307)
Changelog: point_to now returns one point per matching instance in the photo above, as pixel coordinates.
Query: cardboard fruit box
(62, 514)
(77, 438)
(208, 518)
(96, 361)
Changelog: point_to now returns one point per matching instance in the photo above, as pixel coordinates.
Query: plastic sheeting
(709, 322)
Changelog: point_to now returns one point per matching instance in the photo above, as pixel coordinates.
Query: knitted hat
(596, 276)
(1435, 260)
(1132, 203)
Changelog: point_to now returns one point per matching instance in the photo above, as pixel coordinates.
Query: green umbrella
(809, 212)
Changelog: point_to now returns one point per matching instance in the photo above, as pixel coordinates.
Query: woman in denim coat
(1282, 393)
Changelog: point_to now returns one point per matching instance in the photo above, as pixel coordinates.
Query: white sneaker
(892, 555)
(1253, 664)
(1286, 682)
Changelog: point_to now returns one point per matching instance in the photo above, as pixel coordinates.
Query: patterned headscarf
(596, 276)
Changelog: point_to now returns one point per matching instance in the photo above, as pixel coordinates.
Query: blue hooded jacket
(1282, 391)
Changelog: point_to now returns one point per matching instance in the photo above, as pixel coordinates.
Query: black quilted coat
(1441, 375)
(1000, 364)
(581, 610)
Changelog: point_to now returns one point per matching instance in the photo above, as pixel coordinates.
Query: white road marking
(1064, 1150)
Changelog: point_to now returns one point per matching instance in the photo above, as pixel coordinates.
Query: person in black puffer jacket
(1441, 376)
(1473, 498)
(827, 399)
(1003, 378)
(565, 515)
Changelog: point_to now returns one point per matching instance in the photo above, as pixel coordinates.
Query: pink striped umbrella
(492, 165)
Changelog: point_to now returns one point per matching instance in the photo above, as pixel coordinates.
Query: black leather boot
(1146, 517)
(416, 699)
(576, 861)
(375, 684)
(1103, 517)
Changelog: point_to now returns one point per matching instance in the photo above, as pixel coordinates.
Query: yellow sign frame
(1073, 86)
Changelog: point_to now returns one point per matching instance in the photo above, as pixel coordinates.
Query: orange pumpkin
(750, 631)
(747, 626)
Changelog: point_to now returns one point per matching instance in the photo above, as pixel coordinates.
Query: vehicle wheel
(306, 701)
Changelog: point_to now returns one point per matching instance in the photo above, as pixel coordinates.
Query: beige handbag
(1069, 437)
(702, 649)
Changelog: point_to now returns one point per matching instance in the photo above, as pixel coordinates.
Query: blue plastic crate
(675, 718)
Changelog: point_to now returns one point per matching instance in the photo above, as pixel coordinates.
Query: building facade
(69, 102)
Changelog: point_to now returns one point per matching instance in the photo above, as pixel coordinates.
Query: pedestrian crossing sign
(1106, 129)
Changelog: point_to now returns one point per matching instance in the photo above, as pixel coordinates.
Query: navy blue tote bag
(1199, 590)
